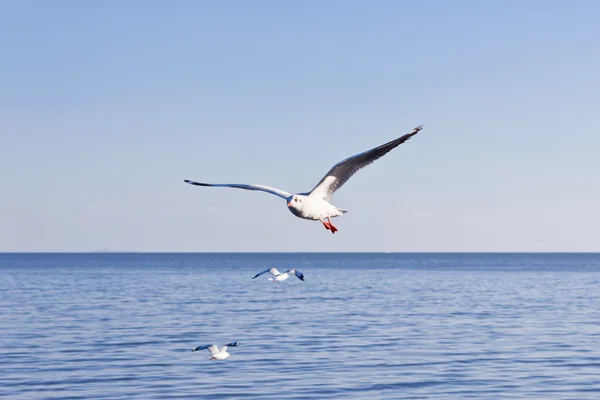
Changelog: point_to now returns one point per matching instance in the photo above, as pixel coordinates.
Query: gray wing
(342, 171)
(211, 348)
(232, 344)
(297, 273)
(273, 271)
(277, 192)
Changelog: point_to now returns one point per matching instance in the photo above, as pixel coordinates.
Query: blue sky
(105, 107)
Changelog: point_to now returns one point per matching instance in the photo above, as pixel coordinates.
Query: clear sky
(106, 106)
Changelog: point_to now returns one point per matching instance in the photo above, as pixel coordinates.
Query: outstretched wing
(342, 171)
(273, 271)
(297, 273)
(232, 344)
(212, 348)
(277, 192)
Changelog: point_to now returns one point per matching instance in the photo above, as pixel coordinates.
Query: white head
(295, 202)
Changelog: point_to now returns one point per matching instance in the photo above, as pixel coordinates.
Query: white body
(280, 277)
(221, 355)
(312, 207)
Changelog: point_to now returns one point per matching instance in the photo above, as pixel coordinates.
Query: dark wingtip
(418, 128)
(196, 183)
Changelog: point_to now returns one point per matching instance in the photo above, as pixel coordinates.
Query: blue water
(362, 326)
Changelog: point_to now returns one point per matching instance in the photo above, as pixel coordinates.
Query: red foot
(333, 228)
(329, 226)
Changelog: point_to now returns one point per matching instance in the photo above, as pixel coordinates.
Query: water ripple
(361, 326)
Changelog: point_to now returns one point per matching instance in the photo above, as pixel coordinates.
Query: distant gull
(278, 276)
(315, 205)
(214, 350)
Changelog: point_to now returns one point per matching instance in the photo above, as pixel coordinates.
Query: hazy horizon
(295, 252)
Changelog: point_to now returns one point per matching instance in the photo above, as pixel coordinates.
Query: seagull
(315, 205)
(278, 276)
(214, 350)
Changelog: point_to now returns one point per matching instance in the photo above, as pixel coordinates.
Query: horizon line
(295, 252)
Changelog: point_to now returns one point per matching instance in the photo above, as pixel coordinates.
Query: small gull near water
(278, 276)
(217, 354)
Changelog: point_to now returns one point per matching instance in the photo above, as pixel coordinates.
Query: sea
(360, 326)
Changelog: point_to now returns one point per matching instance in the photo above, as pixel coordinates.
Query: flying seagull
(278, 276)
(217, 354)
(315, 205)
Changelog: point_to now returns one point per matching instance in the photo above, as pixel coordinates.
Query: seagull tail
(341, 210)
